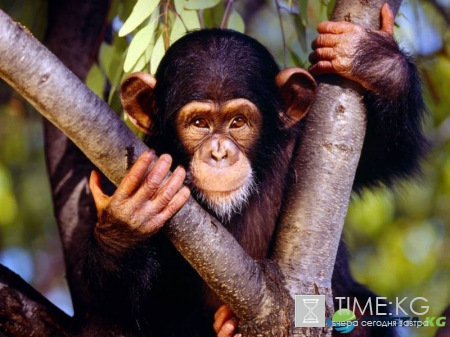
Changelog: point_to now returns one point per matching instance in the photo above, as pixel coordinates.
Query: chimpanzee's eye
(238, 122)
(200, 123)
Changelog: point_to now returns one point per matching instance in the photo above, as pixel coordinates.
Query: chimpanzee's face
(219, 140)
(221, 101)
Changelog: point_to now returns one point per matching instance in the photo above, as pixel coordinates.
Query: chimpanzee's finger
(322, 54)
(387, 19)
(154, 178)
(223, 314)
(228, 329)
(133, 179)
(330, 27)
(321, 68)
(168, 190)
(174, 206)
(326, 40)
(100, 199)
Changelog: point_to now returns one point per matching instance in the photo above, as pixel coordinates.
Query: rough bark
(325, 165)
(25, 312)
(65, 101)
(82, 24)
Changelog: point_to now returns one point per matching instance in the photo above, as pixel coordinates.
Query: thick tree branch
(325, 164)
(25, 312)
(64, 100)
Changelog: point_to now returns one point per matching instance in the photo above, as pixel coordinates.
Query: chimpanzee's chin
(224, 205)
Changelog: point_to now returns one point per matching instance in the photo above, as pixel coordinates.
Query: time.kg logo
(342, 321)
(310, 311)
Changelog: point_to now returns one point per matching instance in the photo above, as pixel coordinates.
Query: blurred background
(399, 239)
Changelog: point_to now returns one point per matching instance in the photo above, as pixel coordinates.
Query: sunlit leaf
(140, 64)
(200, 4)
(179, 5)
(178, 30)
(138, 46)
(190, 19)
(141, 11)
(157, 55)
(236, 22)
(303, 8)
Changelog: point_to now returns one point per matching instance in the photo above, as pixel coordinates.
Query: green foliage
(141, 11)
(200, 4)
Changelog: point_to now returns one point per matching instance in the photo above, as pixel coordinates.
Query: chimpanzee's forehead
(216, 65)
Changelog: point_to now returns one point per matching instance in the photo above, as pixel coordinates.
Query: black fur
(146, 281)
(394, 142)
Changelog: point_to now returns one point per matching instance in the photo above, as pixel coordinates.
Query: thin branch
(226, 14)
(166, 25)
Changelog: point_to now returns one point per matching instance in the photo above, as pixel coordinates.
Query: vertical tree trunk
(74, 33)
(325, 166)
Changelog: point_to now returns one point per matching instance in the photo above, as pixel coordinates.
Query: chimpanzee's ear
(298, 89)
(137, 97)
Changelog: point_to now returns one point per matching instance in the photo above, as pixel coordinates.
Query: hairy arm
(121, 261)
(394, 142)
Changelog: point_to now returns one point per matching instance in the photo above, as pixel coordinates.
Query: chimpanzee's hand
(225, 322)
(340, 43)
(143, 202)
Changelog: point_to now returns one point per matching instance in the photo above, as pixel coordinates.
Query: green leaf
(95, 80)
(105, 56)
(236, 22)
(190, 19)
(300, 30)
(178, 30)
(157, 55)
(118, 77)
(141, 11)
(138, 46)
(140, 64)
(303, 8)
(200, 4)
(179, 5)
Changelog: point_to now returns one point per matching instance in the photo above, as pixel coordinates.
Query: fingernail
(166, 157)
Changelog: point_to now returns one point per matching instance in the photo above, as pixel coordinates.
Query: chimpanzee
(224, 111)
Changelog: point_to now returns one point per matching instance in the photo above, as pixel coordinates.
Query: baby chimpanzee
(224, 111)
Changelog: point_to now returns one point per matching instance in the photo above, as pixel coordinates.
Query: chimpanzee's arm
(119, 266)
(120, 262)
(394, 142)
